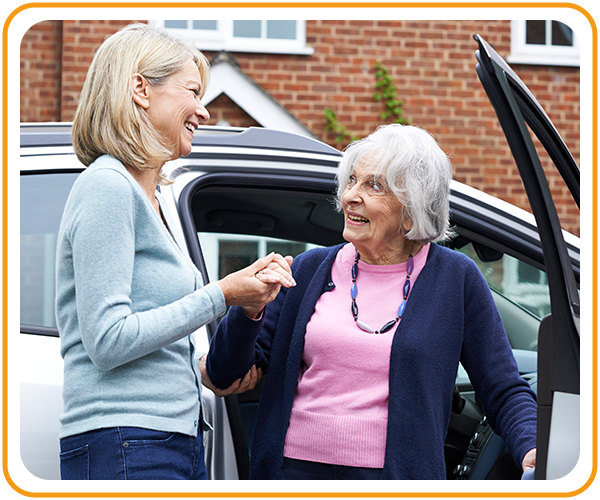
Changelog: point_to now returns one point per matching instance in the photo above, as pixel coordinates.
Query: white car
(242, 193)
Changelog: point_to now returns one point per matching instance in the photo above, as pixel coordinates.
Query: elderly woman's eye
(376, 186)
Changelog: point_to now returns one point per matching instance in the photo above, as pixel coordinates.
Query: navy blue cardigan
(450, 317)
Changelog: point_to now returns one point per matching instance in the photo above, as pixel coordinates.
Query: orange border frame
(317, 5)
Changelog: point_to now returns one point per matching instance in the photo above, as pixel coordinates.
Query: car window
(43, 198)
(516, 280)
(520, 292)
(225, 253)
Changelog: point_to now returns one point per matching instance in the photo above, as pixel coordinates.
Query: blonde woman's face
(175, 110)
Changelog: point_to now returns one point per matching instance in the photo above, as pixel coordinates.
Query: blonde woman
(128, 299)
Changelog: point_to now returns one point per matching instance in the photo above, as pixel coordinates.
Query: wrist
(254, 313)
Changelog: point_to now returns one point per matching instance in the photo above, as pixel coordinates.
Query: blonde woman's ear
(140, 90)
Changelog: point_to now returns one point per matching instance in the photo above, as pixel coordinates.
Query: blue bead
(353, 291)
(406, 288)
(354, 309)
(387, 326)
(354, 270)
(401, 308)
(410, 265)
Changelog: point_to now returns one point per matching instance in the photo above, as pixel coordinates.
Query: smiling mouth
(356, 218)
(190, 127)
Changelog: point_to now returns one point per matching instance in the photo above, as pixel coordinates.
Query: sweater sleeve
(241, 342)
(102, 239)
(231, 352)
(507, 398)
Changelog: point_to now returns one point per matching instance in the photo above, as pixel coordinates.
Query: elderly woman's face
(175, 109)
(373, 215)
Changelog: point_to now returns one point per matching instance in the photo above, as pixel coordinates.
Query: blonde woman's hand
(529, 459)
(258, 284)
(237, 387)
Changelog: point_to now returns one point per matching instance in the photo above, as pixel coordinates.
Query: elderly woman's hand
(238, 387)
(258, 284)
(529, 460)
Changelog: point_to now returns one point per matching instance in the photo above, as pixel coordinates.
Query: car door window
(520, 292)
(43, 197)
(519, 281)
(225, 253)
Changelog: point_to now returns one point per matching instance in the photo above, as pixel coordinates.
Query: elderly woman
(362, 354)
(128, 299)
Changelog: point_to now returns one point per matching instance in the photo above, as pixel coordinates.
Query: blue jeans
(132, 453)
(302, 469)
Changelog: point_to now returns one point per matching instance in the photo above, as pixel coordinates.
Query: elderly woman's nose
(352, 193)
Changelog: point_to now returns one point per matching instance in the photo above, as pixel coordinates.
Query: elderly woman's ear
(140, 90)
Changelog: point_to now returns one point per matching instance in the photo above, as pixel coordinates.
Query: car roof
(39, 135)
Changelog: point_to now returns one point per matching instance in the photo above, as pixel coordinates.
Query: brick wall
(80, 41)
(41, 50)
(433, 66)
(224, 109)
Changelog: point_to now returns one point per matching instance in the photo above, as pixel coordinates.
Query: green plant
(386, 90)
(332, 124)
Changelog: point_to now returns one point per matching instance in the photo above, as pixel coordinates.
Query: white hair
(416, 170)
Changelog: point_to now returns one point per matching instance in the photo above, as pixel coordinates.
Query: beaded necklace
(410, 265)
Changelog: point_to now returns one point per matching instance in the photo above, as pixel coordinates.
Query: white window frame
(222, 39)
(549, 55)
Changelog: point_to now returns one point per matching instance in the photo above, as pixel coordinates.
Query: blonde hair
(107, 120)
(417, 172)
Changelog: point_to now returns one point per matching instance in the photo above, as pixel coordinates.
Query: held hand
(529, 460)
(238, 387)
(279, 270)
(280, 265)
(248, 289)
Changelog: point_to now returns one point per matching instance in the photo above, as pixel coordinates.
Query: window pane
(282, 30)
(516, 280)
(43, 199)
(535, 33)
(561, 34)
(247, 29)
(204, 25)
(284, 248)
(521, 295)
(529, 274)
(235, 255)
(179, 25)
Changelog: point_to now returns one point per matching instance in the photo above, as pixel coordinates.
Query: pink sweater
(340, 409)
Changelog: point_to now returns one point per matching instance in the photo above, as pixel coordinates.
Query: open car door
(558, 343)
